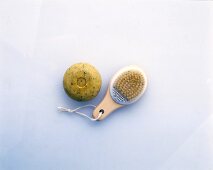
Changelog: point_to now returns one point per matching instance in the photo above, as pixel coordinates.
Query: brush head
(128, 85)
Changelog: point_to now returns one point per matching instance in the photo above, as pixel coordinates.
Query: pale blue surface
(170, 128)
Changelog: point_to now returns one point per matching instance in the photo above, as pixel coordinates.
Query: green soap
(82, 82)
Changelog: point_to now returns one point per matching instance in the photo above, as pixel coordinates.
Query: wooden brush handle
(106, 106)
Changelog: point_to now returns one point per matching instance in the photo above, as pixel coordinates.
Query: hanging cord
(63, 109)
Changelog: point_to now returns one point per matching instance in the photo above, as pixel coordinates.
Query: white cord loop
(63, 109)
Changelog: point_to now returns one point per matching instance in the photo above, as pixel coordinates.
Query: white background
(170, 128)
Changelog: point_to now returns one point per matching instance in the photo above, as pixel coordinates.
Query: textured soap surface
(82, 82)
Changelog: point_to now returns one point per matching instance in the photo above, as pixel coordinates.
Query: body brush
(125, 88)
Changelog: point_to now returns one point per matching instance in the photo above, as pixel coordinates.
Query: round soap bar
(82, 82)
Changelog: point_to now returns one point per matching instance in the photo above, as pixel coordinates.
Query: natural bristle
(130, 84)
